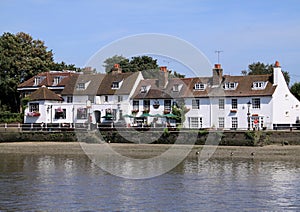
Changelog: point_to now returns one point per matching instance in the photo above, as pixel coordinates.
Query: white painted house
(220, 101)
(86, 98)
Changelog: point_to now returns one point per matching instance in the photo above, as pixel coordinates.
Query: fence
(18, 127)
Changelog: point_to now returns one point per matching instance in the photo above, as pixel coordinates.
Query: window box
(33, 114)
(233, 111)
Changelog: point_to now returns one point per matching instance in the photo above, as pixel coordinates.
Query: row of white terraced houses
(217, 101)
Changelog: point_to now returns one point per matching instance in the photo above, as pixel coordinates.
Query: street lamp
(248, 114)
(88, 106)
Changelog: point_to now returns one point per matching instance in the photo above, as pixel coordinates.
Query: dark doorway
(98, 116)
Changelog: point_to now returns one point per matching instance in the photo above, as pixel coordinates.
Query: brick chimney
(163, 77)
(276, 73)
(217, 75)
(116, 69)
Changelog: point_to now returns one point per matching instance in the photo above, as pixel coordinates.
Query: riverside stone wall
(227, 138)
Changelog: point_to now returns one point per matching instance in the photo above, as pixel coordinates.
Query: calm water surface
(66, 182)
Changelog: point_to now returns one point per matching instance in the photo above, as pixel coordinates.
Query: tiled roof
(44, 93)
(243, 89)
(162, 93)
(93, 82)
(47, 79)
(128, 80)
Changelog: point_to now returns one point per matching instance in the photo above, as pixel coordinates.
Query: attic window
(259, 85)
(37, 80)
(199, 86)
(56, 80)
(231, 85)
(80, 86)
(176, 88)
(115, 85)
(143, 89)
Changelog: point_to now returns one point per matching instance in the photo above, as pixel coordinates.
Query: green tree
(146, 64)
(21, 57)
(179, 109)
(261, 68)
(116, 59)
(295, 90)
(177, 75)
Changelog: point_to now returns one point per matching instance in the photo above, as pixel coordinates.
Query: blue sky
(246, 31)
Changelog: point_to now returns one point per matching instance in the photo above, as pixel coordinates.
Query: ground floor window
(257, 122)
(221, 122)
(60, 113)
(81, 113)
(234, 122)
(195, 122)
(33, 107)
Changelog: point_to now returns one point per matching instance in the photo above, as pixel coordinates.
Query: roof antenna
(218, 52)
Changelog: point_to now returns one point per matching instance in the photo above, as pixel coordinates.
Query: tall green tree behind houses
(259, 68)
(21, 57)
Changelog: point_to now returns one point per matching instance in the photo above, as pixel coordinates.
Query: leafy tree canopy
(146, 64)
(295, 90)
(261, 68)
(22, 57)
(139, 63)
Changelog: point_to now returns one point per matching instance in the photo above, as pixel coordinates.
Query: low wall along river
(227, 138)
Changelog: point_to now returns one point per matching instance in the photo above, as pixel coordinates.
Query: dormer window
(176, 88)
(143, 89)
(259, 85)
(56, 80)
(231, 85)
(115, 85)
(199, 86)
(37, 80)
(80, 86)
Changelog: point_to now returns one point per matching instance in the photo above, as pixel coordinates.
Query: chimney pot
(217, 66)
(277, 64)
(163, 68)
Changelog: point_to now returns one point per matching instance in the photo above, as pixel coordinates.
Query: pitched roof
(244, 87)
(44, 93)
(92, 82)
(155, 92)
(47, 79)
(127, 79)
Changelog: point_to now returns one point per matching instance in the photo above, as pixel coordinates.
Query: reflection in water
(73, 182)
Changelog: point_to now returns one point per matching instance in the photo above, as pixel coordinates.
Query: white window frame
(176, 88)
(143, 89)
(115, 85)
(231, 85)
(33, 107)
(195, 122)
(221, 122)
(256, 103)
(259, 85)
(199, 86)
(234, 103)
(56, 80)
(234, 122)
(37, 80)
(195, 104)
(221, 104)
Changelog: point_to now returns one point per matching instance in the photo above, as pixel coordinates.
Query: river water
(74, 183)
